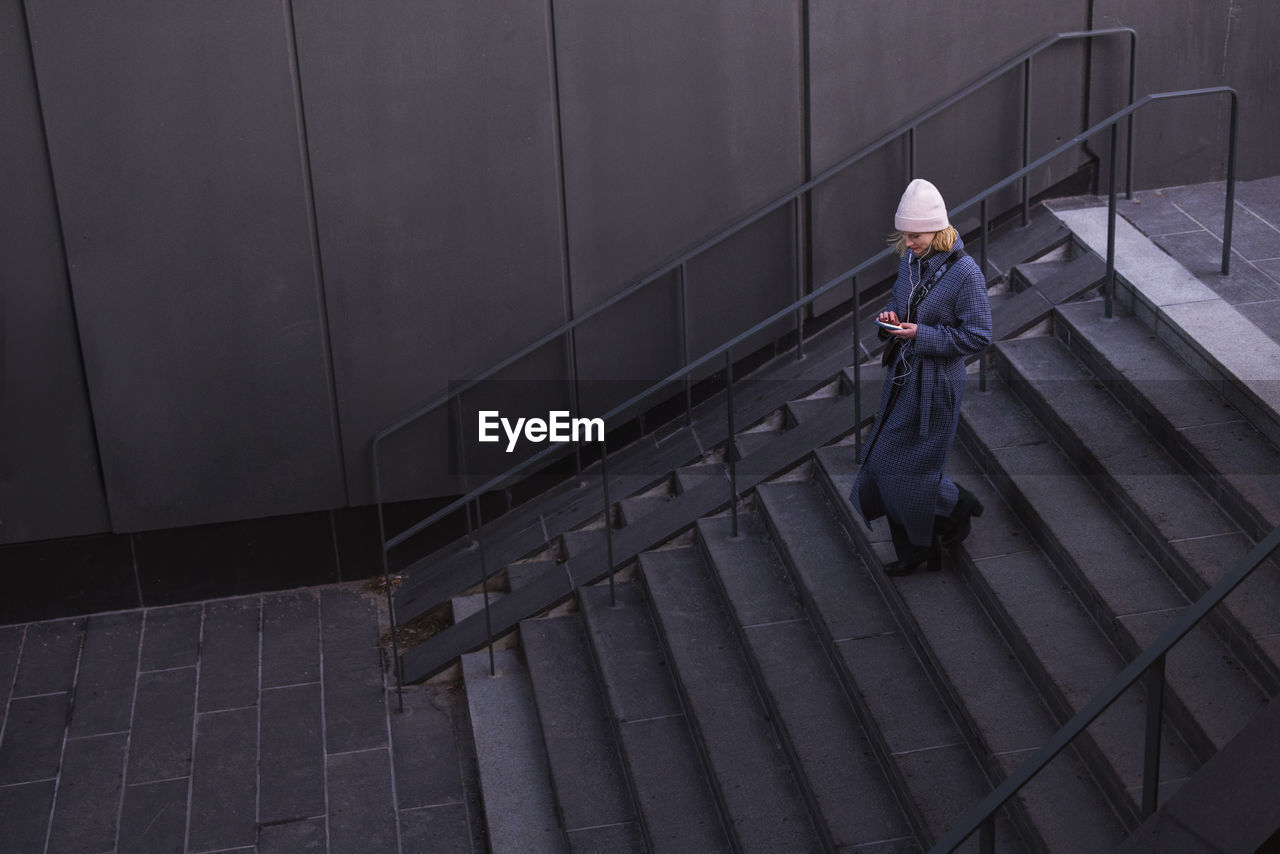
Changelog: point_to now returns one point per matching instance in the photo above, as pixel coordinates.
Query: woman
(940, 310)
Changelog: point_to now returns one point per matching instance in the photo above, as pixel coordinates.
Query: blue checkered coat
(904, 461)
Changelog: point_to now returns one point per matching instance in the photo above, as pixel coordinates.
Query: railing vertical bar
(731, 446)
(608, 518)
(575, 393)
(1111, 224)
(682, 287)
(911, 152)
(1133, 82)
(800, 277)
(1151, 757)
(857, 370)
(1228, 215)
(1026, 140)
(986, 234)
(386, 577)
(987, 836)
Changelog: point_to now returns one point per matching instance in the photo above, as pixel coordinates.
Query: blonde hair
(943, 241)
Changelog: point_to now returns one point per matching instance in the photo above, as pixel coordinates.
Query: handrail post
(683, 288)
(987, 836)
(1151, 757)
(1228, 215)
(608, 517)
(800, 278)
(731, 445)
(484, 585)
(1026, 141)
(386, 577)
(1133, 81)
(1111, 225)
(982, 359)
(911, 153)
(857, 370)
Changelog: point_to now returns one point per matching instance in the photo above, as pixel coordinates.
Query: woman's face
(918, 241)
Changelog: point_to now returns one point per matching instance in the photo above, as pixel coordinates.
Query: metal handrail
(679, 263)
(850, 275)
(1149, 664)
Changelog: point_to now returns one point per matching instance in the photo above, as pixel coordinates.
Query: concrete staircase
(774, 691)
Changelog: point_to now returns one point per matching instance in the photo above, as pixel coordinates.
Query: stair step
(1106, 567)
(1175, 520)
(1013, 314)
(762, 800)
(929, 765)
(999, 705)
(578, 543)
(515, 779)
(523, 574)
(1014, 243)
(671, 791)
(804, 694)
(1231, 459)
(1063, 281)
(474, 603)
(1214, 337)
(632, 510)
(586, 765)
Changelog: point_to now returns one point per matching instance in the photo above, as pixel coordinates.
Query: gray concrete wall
(1211, 43)
(243, 236)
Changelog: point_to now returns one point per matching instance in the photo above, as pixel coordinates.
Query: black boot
(957, 525)
(910, 556)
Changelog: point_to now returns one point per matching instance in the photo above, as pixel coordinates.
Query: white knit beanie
(921, 209)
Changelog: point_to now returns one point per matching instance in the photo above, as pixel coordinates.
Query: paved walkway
(265, 723)
(256, 724)
(1187, 223)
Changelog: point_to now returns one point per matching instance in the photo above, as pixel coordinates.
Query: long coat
(904, 461)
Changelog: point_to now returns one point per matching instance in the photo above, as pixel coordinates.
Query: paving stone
(585, 763)
(90, 787)
(1201, 253)
(354, 700)
(49, 657)
(291, 770)
(153, 819)
(229, 655)
(224, 793)
(171, 637)
(33, 733)
(1154, 213)
(11, 638)
(164, 714)
(24, 815)
(304, 836)
(290, 639)
(107, 675)
(362, 818)
(423, 747)
(429, 830)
